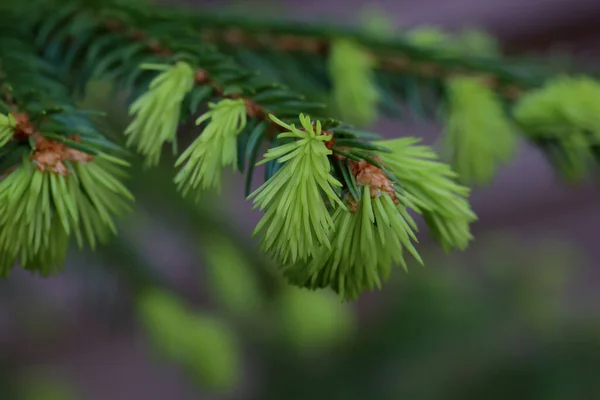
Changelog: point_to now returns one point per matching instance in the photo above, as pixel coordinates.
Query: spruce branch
(479, 134)
(157, 112)
(395, 54)
(58, 178)
(366, 243)
(213, 70)
(354, 88)
(431, 187)
(214, 149)
(422, 56)
(339, 204)
(564, 116)
(300, 189)
(297, 219)
(506, 78)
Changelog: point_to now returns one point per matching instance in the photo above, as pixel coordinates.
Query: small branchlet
(340, 205)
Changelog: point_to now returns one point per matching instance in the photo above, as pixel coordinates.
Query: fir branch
(300, 189)
(427, 71)
(422, 57)
(396, 54)
(338, 202)
(564, 116)
(213, 70)
(55, 184)
(366, 243)
(506, 73)
(297, 220)
(214, 149)
(157, 112)
(431, 186)
(479, 135)
(354, 89)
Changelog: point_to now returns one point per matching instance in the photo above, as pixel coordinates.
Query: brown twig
(48, 155)
(370, 175)
(365, 173)
(396, 63)
(202, 76)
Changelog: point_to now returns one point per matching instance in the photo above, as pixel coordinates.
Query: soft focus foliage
(296, 218)
(39, 211)
(40, 386)
(565, 110)
(431, 186)
(230, 277)
(7, 128)
(201, 343)
(214, 149)
(355, 93)
(311, 322)
(478, 134)
(468, 41)
(365, 245)
(157, 112)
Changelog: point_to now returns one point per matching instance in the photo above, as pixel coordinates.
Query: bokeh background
(182, 305)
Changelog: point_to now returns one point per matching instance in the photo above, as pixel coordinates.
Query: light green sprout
(377, 228)
(40, 210)
(214, 149)
(563, 105)
(478, 132)
(565, 110)
(7, 128)
(431, 186)
(467, 42)
(297, 219)
(355, 91)
(203, 344)
(157, 112)
(365, 245)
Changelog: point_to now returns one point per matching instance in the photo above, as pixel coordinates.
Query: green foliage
(214, 149)
(565, 104)
(355, 93)
(157, 112)
(39, 210)
(431, 186)
(467, 42)
(367, 241)
(564, 111)
(427, 36)
(203, 344)
(376, 21)
(365, 245)
(314, 321)
(263, 82)
(478, 133)
(62, 177)
(230, 277)
(475, 41)
(325, 223)
(7, 128)
(296, 219)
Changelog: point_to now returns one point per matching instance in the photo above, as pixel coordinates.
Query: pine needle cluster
(341, 205)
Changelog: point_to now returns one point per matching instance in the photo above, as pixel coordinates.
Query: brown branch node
(24, 128)
(370, 175)
(254, 110)
(50, 155)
